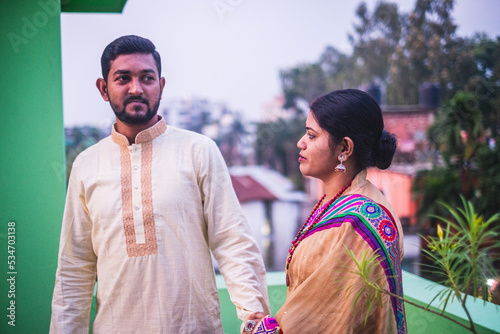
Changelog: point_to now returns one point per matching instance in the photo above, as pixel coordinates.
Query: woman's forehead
(312, 123)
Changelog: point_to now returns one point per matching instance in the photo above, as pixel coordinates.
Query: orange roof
(248, 189)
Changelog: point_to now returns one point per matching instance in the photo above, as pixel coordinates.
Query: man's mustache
(136, 99)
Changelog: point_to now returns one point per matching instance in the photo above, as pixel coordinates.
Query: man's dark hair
(127, 45)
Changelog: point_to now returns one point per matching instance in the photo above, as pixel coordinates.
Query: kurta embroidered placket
(137, 202)
(138, 219)
(135, 160)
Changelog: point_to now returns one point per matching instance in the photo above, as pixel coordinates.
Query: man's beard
(123, 116)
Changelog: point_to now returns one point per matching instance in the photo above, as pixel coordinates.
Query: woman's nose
(301, 144)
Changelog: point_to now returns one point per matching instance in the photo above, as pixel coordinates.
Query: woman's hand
(253, 321)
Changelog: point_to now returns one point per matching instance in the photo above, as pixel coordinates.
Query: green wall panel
(93, 6)
(32, 179)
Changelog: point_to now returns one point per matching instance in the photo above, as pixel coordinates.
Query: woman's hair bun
(384, 150)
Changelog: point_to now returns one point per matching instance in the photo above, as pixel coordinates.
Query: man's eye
(122, 78)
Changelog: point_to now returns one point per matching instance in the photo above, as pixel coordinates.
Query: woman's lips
(301, 158)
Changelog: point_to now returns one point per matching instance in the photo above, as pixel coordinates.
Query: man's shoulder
(183, 133)
(186, 137)
(94, 149)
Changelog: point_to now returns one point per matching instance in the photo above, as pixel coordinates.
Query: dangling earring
(340, 167)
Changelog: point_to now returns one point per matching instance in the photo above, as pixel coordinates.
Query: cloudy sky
(229, 54)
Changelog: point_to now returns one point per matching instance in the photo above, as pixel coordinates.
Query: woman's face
(316, 157)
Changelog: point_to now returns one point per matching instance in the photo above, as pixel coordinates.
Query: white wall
(285, 221)
(285, 224)
(255, 213)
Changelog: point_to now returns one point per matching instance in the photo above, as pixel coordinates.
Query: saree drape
(322, 285)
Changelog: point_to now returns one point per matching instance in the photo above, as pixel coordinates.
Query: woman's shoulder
(358, 203)
(370, 219)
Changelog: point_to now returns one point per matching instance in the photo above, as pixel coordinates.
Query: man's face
(133, 88)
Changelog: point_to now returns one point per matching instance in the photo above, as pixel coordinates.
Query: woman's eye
(310, 136)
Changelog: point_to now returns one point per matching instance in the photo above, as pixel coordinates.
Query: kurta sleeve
(230, 238)
(76, 271)
(321, 293)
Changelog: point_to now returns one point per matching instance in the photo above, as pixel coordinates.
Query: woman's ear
(347, 147)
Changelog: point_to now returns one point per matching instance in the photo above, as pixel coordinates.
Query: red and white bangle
(249, 326)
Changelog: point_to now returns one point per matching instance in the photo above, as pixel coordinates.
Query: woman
(344, 136)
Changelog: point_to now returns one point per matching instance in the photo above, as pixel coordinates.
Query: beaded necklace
(308, 225)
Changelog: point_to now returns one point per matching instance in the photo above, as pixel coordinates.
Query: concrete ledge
(486, 316)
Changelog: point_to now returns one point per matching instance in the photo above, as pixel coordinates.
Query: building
(273, 209)
(273, 110)
(192, 114)
(409, 123)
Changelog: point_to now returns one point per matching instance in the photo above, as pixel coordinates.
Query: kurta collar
(144, 136)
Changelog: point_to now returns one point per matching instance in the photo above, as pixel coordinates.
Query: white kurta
(142, 219)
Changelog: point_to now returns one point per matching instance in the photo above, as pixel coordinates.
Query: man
(144, 209)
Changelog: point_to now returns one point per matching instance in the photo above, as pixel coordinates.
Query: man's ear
(102, 86)
(162, 84)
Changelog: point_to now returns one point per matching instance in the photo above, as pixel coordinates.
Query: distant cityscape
(269, 197)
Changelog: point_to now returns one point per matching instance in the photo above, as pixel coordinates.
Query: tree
(401, 51)
(78, 139)
(458, 130)
(398, 51)
(461, 257)
(488, 188)
(377, 38)
(484, 84)
(231, 139)
(466, 130)
(302, 84)
(276, 146)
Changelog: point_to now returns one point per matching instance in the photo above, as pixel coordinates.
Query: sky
(226, 51)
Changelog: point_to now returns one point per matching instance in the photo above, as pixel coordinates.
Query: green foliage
(461, 254)
(431, 187)
(469, 166)
(334, 70)
(461, 135)
(231, 139)
(488, 202)
(276, 145)
(77, 139)
(370, 289)
(305, 81)
(457, 129)
(377, 37)
(400, 51)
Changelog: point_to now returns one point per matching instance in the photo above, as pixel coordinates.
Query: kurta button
(136, 186)
(137, 208)
(136, 167)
